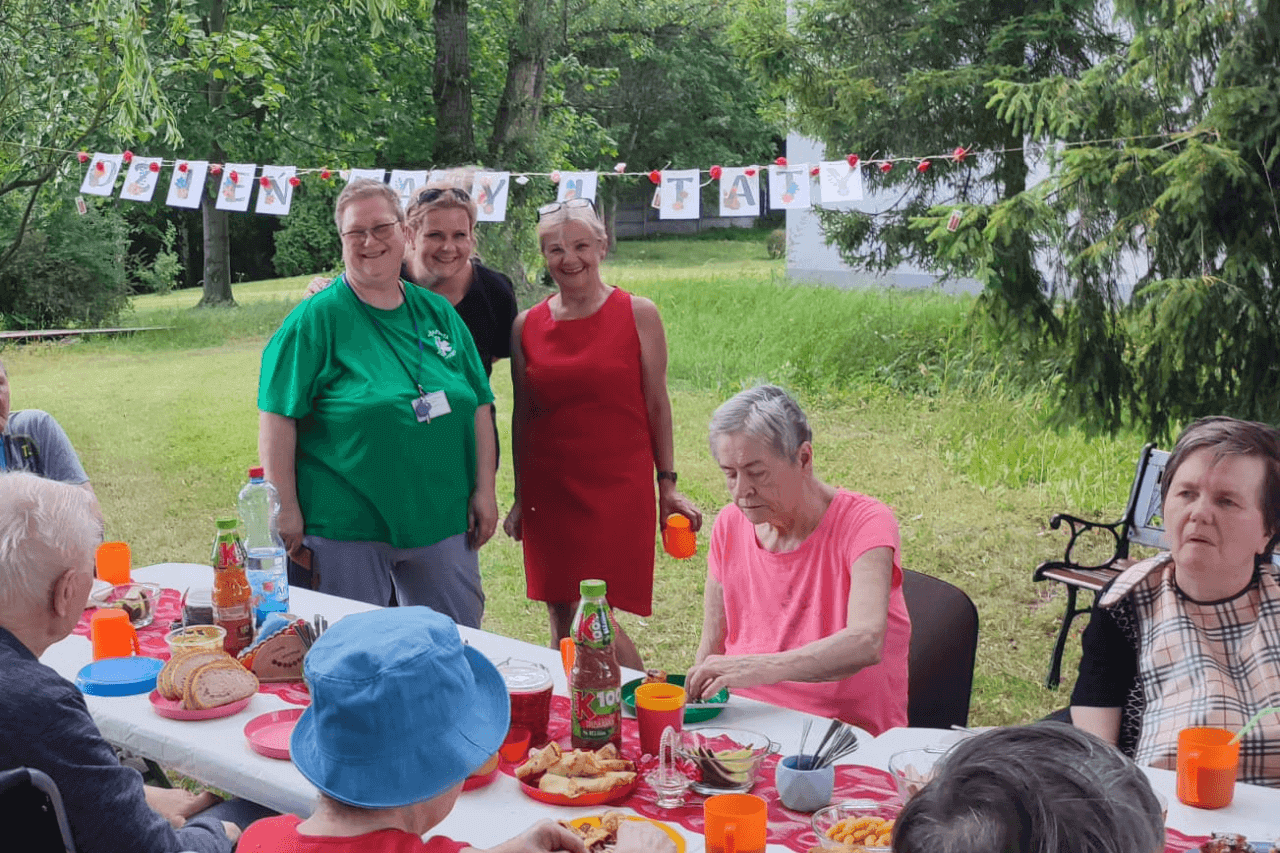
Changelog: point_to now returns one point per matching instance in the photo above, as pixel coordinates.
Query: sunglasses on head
(571, 204)
(432, 193)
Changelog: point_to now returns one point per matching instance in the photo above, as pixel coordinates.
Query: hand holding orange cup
(112, 635)
(113, 562)
(1207, 764)
(734, 823)
(657, 707)
(678, 538)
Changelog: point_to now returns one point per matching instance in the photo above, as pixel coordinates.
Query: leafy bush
(160, 275)
(308, 242)
(776, 245)
(68, 271)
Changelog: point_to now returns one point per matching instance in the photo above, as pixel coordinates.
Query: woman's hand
(671, 501)
(512, 524)
(546, 837)
(316, 285)
(177, 804)
(291, 526)
(717, 672)
(482, 518)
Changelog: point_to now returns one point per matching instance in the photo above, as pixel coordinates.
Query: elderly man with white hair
(48, 533)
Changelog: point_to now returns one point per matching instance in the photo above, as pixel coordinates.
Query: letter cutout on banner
(234, 194)
(276, 195)
(379, 175)
(577, 185)
(490, 191)
(739, 192)
(789, 187)
(139, 181)
(186, 186)
(838, 182)
(680, 196)
(407, 184)
(101, 177)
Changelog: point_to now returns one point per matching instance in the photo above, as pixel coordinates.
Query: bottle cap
(228, 523)
(592, 588)
(255, 473)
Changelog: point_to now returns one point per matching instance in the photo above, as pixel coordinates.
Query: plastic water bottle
(265, 563)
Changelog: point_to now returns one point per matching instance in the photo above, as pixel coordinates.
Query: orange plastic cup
(657, 707)
(114, 562)
(112, 635)
(1207, 764)
(678, 538)
(735, 823)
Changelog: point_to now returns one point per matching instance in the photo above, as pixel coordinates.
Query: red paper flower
(83, 156)
(886, 166)
(555, 176)
(100, 166)
(127, 156)
(182, 167)
(293, 181)
(716, 172)
(154, 166)
(751, 173)
(215, 168)
(814, 171)
(959, 154)
(619, 167)
(265, 181)
(234, 176)
(781, 161)
(655, 177)
(853, 161)
(325, 174)
(923, 166)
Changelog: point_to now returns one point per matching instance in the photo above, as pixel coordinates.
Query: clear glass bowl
(139, 600)
(728, 760)
(826, 820)
(912, 769)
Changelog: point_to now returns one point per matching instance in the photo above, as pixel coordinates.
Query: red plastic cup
(113, 562)
(516, 747)
(678, 538)
(657, 707)
(1207, 764)
(112, 635)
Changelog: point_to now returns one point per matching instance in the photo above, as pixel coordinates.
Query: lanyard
(377, 324)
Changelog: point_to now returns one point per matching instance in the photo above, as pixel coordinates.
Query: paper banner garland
(490, 190)
(186, 186)
(408, 184)
(378, 175)
(789, 187)
(838, 183)
(577, 185)
(739, 191)
(100, 177)
(679, 196)
(140, 179)
(275, 192)
(235, 184)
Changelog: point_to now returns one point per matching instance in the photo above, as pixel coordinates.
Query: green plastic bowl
(691, 715)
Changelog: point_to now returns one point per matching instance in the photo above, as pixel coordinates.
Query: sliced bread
(171, 682)
(218, 682)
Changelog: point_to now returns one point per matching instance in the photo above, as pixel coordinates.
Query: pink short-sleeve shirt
(779, 602)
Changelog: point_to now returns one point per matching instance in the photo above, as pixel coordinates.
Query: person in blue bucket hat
(401, 713)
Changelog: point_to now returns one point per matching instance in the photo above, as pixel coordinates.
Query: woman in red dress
(591, 423)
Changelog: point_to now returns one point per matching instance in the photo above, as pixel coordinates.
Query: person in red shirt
(401, 713)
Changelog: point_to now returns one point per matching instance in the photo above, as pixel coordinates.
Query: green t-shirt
(367, 469)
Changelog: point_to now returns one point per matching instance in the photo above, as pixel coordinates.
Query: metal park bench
(1142, 524)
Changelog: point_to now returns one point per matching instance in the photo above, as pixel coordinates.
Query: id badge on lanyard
(430, 405)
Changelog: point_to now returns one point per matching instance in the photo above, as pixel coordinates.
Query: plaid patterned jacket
(1204, 664)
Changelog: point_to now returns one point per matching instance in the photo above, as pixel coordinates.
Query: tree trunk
(455, 143)
(217, 230)
(515, 127)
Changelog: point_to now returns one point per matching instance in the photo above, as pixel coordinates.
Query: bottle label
(596, 713)
(594, 628)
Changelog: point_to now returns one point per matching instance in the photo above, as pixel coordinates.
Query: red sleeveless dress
(586, 472)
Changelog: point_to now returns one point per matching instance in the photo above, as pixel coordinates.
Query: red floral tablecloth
(788, 828)
(151, 641)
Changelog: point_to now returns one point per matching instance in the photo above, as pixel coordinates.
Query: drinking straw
(1252, 722)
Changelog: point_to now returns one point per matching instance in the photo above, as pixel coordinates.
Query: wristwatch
(666, 475)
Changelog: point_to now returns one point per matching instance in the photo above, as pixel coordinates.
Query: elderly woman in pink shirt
(803, 604)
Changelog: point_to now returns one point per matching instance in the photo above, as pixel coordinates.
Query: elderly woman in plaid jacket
(1191, 637)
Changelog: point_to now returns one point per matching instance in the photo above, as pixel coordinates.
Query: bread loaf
(171, 682)
(216, 683)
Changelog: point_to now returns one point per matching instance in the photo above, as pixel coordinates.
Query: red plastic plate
(269, 733)
(597, 799)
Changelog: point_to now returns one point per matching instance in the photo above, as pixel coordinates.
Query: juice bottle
(595, 682)
(231, 592)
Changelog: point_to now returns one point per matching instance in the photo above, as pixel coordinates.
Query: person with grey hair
(803, 602)
(48, 534)
(1188, 637)
(375, 427)
(1043, 788)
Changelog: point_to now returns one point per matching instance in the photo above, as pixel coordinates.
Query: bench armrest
(1079, 527)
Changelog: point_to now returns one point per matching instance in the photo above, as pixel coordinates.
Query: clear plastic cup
(195, 638)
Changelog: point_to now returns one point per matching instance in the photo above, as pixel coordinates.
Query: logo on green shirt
(442, 344)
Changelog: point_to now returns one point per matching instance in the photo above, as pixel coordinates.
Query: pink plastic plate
(172, 708)
(269, 733)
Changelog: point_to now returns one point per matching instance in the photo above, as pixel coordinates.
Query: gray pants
(444, 576)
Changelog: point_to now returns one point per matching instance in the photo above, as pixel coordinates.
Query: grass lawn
(166, 425)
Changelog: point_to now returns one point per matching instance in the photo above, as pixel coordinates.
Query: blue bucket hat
(401, 711)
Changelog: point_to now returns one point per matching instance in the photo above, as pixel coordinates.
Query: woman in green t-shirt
(370, 395)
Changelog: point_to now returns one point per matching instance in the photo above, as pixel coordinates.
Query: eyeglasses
(381, 233)
(570, 204)
(430, 194)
